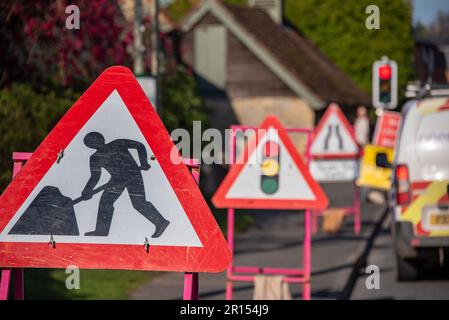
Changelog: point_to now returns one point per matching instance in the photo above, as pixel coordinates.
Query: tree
(26, 118)
(339, 31)
(179, 8)
(36, 45)
(181, 103)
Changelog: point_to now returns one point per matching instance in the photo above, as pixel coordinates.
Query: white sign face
(137, 201)
(334, 170)
(333, 138)
(291, 183)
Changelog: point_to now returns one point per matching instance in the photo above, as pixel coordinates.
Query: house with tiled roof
(250, 64)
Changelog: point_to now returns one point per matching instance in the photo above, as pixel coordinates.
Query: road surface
(275, 241)
(382, 255)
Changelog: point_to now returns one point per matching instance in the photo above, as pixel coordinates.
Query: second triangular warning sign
(270, 175)
(334, 136)
(104, 189)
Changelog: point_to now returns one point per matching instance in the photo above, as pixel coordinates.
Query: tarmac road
(275, 241)
(435, 286)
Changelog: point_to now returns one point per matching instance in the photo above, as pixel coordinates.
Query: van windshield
(432, 145)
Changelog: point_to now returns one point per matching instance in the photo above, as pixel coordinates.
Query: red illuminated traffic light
(385, 72)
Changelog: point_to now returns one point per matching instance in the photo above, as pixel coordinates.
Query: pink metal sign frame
(191, 279)
(354, 209)
(19, 159)
(247, 274)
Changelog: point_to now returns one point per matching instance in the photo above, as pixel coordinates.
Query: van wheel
(407, 270)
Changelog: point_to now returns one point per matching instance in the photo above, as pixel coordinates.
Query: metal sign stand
(191, 279)
(19, 159)
(354, 209)
(247, 274)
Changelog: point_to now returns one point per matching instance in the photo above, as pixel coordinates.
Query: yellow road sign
(375, 168)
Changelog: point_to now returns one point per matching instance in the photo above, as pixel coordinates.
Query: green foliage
(26, 118)
(94, 284)
(36, 46)
(240, 2)
(339, 31)
(181, 103)
(178, 9)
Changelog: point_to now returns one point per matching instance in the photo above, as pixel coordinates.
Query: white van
(419, 198)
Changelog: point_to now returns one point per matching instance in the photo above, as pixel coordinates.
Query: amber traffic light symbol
(270, 168)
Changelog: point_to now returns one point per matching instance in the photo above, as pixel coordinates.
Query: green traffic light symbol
(270, 168)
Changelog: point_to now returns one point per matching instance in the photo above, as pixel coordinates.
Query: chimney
(272, 7)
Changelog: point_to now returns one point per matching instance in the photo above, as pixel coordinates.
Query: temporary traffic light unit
(385, 84)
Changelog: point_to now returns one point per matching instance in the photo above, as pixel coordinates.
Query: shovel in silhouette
(50, 213)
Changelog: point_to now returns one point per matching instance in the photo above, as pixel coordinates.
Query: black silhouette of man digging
(125, 173)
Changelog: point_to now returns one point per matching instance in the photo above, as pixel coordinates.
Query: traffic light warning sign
(270, 174)
(334, 136)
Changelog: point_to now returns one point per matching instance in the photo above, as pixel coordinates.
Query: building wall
(438, 74)
(247, 76)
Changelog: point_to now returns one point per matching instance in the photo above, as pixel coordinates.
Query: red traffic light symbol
(271, 149)
(385, 72)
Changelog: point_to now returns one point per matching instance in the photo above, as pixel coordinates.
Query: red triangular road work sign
(334, 136)
(270, 175)
(100, 201)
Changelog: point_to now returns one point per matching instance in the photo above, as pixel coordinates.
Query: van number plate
(439, 219)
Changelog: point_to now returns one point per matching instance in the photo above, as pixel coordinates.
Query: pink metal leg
(191, 279)
(306, 291)
(307, 256)
(230, 238)
(191, 284)
(4, 283)
(230, 223)
(357, 211)
(19, 159)
(19, 293)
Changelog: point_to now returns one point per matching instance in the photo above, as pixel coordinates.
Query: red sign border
(214, 256)
(220, 201)
(334, 108)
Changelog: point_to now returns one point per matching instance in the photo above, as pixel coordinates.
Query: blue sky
(425, 10)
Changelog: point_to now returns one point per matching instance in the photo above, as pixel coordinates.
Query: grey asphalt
(382, 255)
(275, 240)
